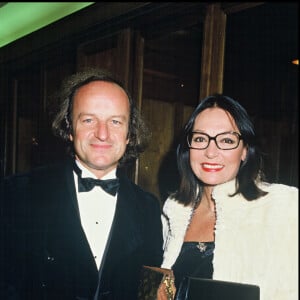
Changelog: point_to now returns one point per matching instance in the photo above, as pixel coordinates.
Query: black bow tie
(86, 184)
(109, 185)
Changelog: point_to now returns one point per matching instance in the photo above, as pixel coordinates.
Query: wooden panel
(157, 165)
(25, 144)
(51, 148)
(160, 118)
(100, 53)
(258, 73)
(137, 84)
(168, 177)
(113, 52)
(27, 100)
(213, 51)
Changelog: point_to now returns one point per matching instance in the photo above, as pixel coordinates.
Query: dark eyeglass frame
(214, 138)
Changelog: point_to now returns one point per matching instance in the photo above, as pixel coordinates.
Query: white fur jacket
(256, 242)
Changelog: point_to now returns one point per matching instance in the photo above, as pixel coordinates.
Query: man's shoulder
(36, 174)
(136, 187)
(137, 190)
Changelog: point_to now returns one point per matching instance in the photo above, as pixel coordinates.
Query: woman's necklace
(202, 215)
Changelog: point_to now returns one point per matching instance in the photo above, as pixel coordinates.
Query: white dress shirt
(97, 209)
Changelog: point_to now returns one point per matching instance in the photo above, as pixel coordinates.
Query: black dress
(195, 260)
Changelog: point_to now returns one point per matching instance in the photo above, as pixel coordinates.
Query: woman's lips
(212, 167)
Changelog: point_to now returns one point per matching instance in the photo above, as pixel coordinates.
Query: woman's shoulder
(172, 202)
(279, 189)
(280, 197)
(172, 206)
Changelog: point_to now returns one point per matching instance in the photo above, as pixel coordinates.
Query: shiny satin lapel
(126, 237)
(61, 226)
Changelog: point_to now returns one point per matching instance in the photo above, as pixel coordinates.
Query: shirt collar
(88, 173)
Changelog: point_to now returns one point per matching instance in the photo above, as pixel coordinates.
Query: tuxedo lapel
(64, 238)
(125, 235)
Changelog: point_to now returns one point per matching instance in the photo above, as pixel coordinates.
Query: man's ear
(71, 137)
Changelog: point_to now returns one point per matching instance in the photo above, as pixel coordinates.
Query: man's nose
(101, 131)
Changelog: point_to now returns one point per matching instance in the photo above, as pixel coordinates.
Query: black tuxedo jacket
(44, 250)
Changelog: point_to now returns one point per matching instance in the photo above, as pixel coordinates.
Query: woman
(224, 222)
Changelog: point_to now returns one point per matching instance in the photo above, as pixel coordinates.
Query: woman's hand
(167, 289)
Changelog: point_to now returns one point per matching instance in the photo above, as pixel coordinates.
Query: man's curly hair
(138, 132)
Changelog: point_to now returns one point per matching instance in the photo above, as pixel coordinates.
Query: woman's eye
(227, 141)
(199, 139)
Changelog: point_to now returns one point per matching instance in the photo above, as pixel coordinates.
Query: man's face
(100, 124)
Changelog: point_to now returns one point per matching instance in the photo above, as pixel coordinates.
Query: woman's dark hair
(191, 188)
(138, 133)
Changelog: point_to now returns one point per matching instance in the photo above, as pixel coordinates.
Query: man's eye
(88, 121)
(116, 122)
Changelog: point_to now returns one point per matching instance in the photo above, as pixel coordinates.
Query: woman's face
(212, 165)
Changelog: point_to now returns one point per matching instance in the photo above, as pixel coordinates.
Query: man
(64, 238)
